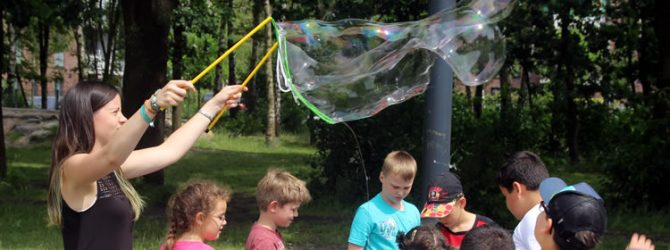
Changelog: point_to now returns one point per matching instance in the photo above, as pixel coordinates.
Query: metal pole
(437, 123)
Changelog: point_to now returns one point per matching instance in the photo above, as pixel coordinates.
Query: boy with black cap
(574, 217)
(446, 202)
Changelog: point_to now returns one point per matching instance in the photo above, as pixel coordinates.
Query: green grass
(237, 162)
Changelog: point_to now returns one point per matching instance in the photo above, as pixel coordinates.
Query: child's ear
(546, 229)
(381, 177)
(518, 188)
(462, 202)
(272, 207)
(200, 218)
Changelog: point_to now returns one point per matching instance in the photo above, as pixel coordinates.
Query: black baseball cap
(442, 192)
(573, 209)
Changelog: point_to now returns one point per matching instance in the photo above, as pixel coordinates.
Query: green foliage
(294, 115)
(244, 124)
(346, 156)
(631, 153)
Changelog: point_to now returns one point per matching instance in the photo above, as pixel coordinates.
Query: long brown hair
(198, 196)
(76, 135)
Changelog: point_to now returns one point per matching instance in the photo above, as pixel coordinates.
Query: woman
(93, 157)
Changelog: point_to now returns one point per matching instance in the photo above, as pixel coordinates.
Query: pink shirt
(263, 238)
(189, 245)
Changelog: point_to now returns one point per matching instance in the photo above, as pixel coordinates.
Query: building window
(59, 60)
(495, 91)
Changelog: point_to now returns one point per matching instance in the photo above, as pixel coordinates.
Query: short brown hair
(399, 163)
(281, 186)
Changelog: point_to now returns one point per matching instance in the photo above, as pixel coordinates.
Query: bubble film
(352, 69)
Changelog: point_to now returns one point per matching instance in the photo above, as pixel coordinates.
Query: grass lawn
(237, 162)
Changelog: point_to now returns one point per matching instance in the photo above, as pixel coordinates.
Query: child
(446, 202)
(573, 217)
(196, 213)
(279, 195)
(421, 238)
(378, 221)
(488, 237)
(519, 180)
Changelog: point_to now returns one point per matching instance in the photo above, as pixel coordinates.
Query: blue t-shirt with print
(376, 223)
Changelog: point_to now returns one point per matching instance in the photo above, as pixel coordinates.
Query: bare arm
(145, 161)
(85, 168)
(354, 247)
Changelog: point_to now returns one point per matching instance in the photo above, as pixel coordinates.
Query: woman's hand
(229, 96)
(173, 93)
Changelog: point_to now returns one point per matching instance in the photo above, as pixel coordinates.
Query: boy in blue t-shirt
(378, 221)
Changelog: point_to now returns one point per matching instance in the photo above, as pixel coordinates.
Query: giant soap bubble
(352, 69)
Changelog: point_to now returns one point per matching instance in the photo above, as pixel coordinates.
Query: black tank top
(108, 224)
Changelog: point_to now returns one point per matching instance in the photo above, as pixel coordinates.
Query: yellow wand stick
(238, 44)
(246, 81)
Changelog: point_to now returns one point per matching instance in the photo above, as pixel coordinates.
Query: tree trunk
(250, 98)
(277, 113)
(11, 61)
(571, 121)
(13, 35)
(177, 63)
(270, 130)
(218, 70)
(19, 81)
(232, 79)
(110, 47)
(644, 44)
(505, 94)
(525, 91)
(146, 25)
(607, 78)
(477, 103)
(78, 36)
(3, 152)
(43, 37)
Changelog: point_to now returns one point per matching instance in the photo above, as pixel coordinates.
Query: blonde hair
(74, 136)
(399, 163)
(281, 186)
(198, 196)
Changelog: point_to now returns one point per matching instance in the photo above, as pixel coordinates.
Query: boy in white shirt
(519, 181)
